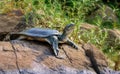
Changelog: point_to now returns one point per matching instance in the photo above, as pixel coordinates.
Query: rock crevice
(17, 65)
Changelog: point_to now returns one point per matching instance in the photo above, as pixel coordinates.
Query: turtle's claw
(57, 55)
(56, 52)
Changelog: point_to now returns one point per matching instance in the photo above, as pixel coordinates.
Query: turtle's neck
(63, 36)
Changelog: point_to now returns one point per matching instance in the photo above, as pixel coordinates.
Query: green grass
(56, 14)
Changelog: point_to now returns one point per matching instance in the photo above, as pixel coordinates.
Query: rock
(113, 39)
(97, 58)
(14, 21)
(29, 57)
(106, 17)
(15, 12)
(7, 23)
(114, 34)
(88, 27)
(32, 57)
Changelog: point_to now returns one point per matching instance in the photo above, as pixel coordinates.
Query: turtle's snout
(69, 27)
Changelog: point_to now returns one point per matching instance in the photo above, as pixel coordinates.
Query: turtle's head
(67, 31)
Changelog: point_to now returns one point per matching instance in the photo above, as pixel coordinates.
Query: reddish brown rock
(7, 23)
(37, 57)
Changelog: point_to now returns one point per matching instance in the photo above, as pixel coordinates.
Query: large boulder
(32, 57)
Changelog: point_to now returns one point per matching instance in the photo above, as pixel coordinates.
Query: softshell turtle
(53, 37)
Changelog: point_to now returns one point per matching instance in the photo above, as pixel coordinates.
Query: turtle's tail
(14, 36)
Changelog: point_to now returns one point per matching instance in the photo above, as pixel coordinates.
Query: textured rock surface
(97, 58)
(7, 23)
(14, 22)
(32, 57)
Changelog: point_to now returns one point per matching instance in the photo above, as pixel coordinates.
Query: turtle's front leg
(72, 44)
(53, 40)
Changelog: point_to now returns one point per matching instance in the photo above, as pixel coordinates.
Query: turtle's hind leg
(21, 38)
(17, 37)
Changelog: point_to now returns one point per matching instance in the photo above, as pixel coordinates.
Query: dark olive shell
(38, 32)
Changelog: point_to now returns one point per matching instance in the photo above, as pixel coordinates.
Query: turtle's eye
(71, 26)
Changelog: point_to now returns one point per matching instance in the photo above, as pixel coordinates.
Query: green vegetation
(57, 13)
